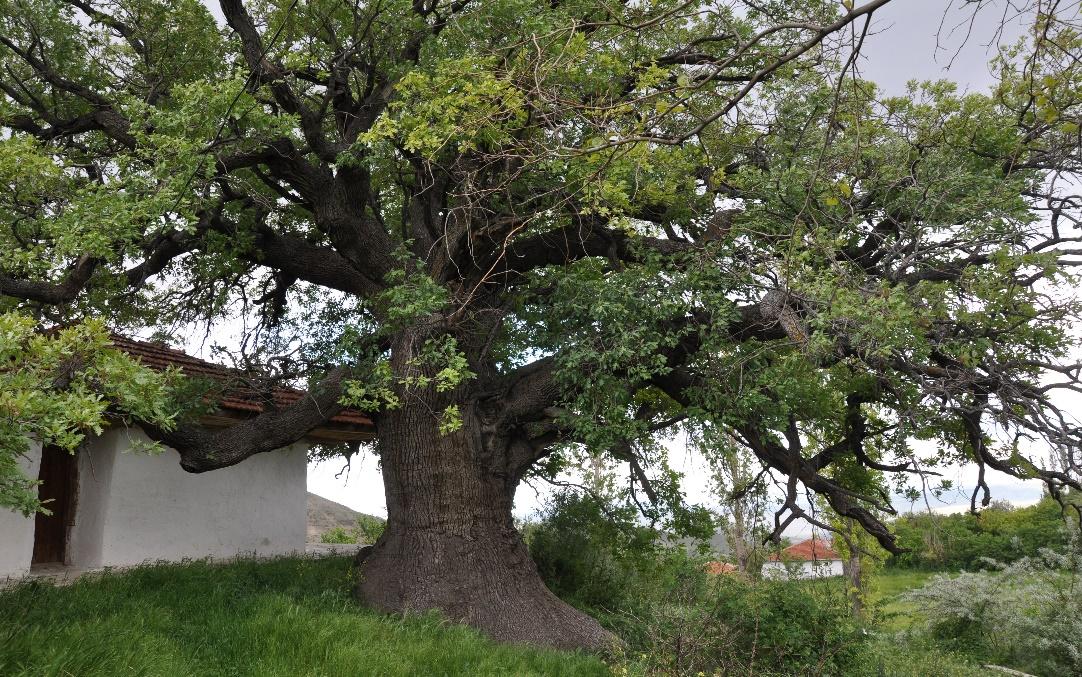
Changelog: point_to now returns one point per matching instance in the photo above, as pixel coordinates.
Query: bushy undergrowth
(599, 558)
(1026, 614)
(296, 616)
(261, 618)
(737, 626)
(676, 619)
(894, 656)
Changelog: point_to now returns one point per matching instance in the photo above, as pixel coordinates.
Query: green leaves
(486, 184)
(437, 365)
(57, 388)
(460, 105)
(375, 392)
(411, 296)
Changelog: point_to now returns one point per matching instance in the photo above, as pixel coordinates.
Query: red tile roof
(811, 550)
(238, 394)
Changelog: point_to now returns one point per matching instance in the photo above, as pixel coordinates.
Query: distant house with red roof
(813, 558)
(113, 507)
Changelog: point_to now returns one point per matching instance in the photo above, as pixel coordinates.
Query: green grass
(889, 612)
(279, 617)
(886, 656)
(892, 652)
(889, 584)
(295, 616)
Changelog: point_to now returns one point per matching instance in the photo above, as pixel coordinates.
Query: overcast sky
(911, 40)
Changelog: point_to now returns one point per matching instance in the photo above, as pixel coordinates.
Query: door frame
(63, 507)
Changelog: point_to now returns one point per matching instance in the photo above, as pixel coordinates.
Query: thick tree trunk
(450, 542)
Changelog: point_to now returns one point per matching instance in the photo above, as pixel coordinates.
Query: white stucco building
(115, 506)
(812, 558)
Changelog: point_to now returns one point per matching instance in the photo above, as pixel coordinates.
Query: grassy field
(893, 613)
(295, 617)
(281, 617)
(889, 612)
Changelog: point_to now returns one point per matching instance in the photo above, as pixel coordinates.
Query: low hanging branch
(202, 449)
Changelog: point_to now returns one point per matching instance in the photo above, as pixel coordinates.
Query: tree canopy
(513, 231)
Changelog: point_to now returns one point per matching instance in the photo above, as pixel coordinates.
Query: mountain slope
(324, 515)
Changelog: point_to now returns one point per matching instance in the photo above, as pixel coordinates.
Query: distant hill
(324, 515)
(717, 544)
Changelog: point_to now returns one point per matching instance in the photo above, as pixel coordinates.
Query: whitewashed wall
(132, 507)
(795, 570)
(136, 508)
(16, 531)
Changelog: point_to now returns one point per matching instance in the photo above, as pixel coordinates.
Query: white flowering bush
(1027, 614)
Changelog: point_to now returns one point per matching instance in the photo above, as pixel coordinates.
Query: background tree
(738, 483)
(861, 558)
(1000, 532)
(508, 228)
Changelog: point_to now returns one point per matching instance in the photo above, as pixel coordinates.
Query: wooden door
(58, 476)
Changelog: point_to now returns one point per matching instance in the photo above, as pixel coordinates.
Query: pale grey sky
(934, 39)
(911, 40)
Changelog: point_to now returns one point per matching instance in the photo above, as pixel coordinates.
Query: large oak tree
(512, 231)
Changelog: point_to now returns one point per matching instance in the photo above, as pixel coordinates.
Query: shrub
(597, 557)
(369, 528)
(1027, 614)
(674, 618)
(748, 627)
(338, 535)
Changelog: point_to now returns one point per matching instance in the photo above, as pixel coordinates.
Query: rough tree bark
(738, 540)
(854, 573)
(856, 585)
(451, 544)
